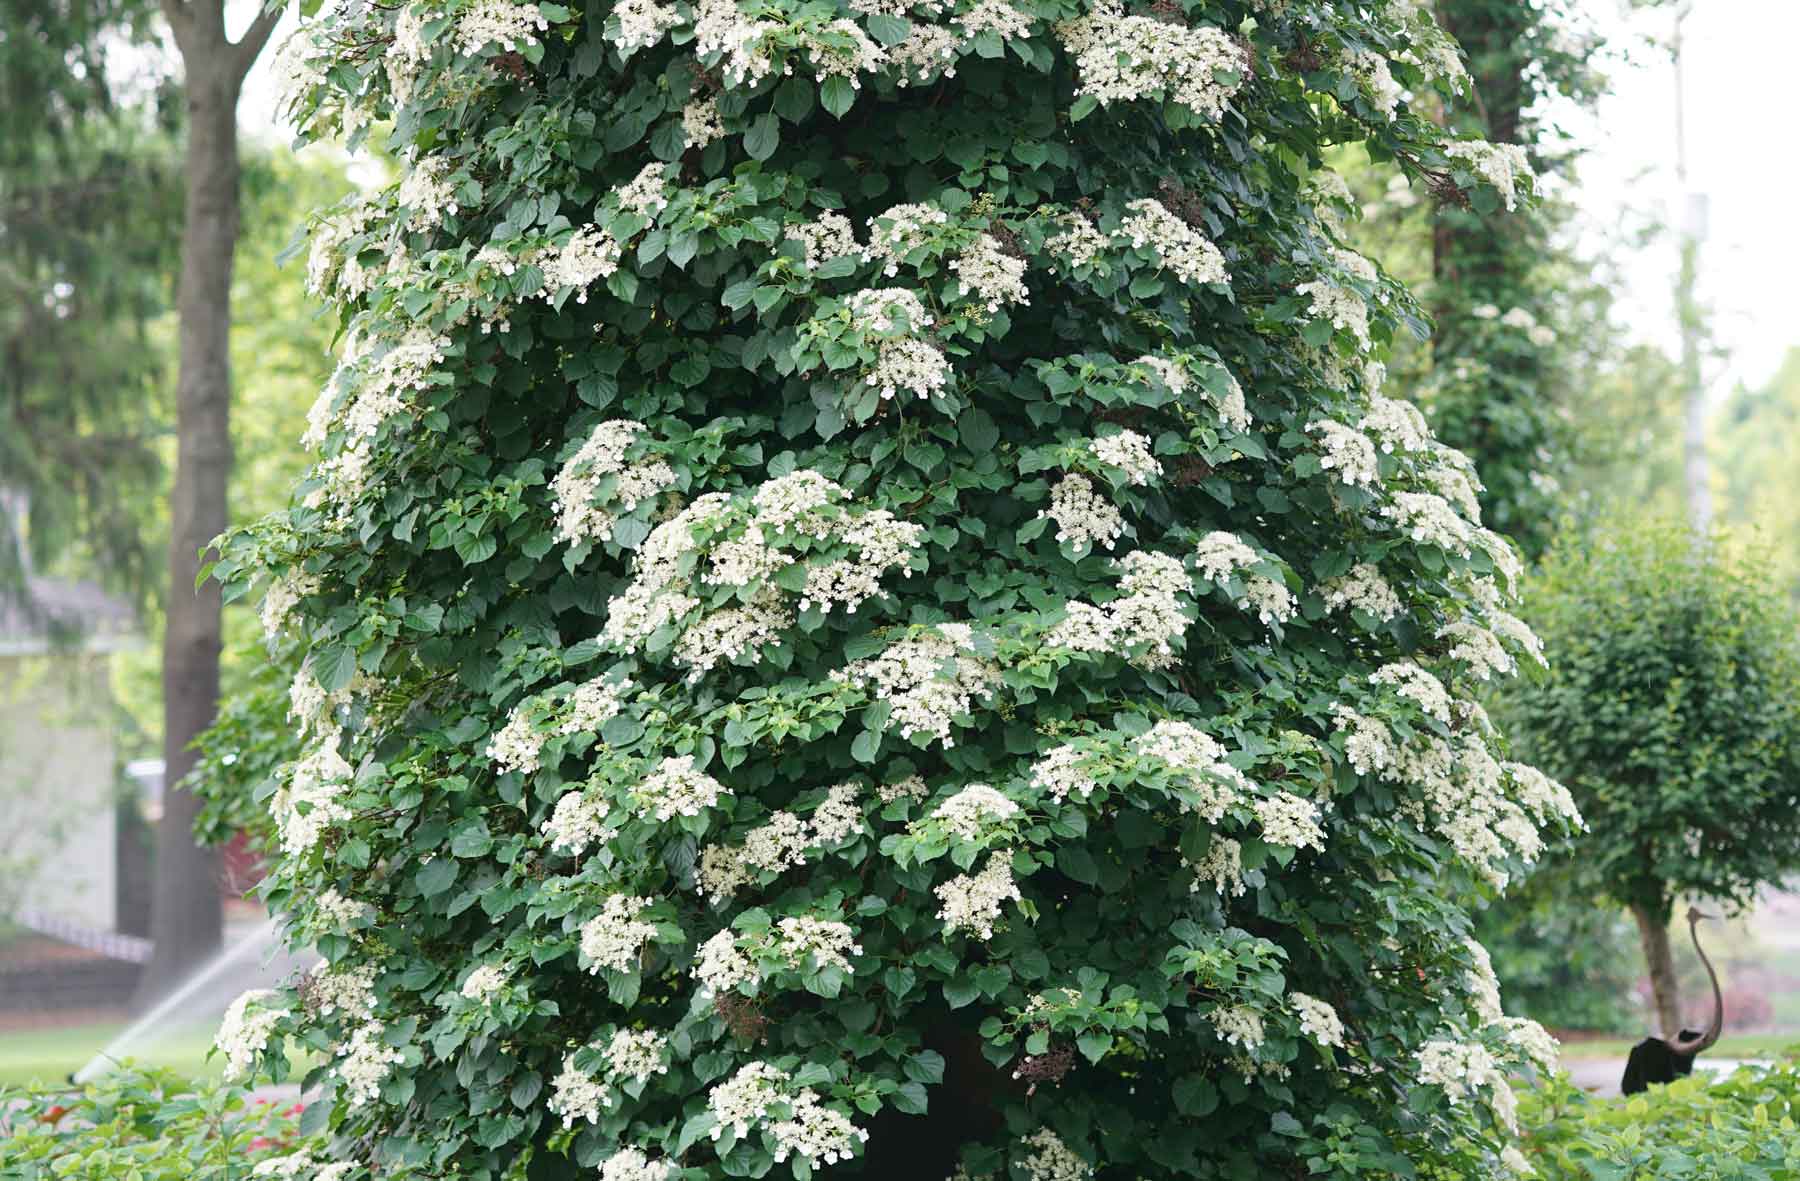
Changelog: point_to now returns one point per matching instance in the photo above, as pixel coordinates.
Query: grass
(1746, 1045)
(50, 1055)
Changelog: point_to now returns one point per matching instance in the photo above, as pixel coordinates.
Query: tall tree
(185, 910)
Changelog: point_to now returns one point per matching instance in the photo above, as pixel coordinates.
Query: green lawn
(50, 1055)
(1750, 1045)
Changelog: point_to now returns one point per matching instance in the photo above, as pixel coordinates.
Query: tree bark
(1653, 933)
(186, 908)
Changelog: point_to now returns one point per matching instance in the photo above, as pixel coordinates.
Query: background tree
(1672, 712)
(940, 450)
(185, 915)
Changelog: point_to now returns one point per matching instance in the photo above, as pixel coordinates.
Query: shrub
(863, 606)
(1746, 1125)
(143, 1125)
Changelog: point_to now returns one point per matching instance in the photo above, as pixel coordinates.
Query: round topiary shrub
(864, 609)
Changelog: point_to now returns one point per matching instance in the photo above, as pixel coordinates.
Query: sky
(1736, 62)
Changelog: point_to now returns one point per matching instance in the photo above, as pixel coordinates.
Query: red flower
(54, 1114)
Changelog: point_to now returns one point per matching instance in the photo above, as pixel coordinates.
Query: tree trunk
(186, 911)
(1653, 933)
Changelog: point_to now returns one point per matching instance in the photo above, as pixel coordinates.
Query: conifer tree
(864, 609)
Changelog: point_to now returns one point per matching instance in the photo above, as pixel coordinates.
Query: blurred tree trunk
(186, 912)
(1653, 931)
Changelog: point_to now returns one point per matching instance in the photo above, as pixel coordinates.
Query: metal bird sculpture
(1655, 1060)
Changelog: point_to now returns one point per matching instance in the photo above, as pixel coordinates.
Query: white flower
(1269, 598)
(972, 902)
(899, 231)
(908, 364)
(1047, 1158)
(1123, 58)
(282, 596)
(874, 309)
(484, 983)
(1063, 772)
(986, 271)
(814, 1132)
(1221, 554)
(839, 816)
(829, 237)
(1397, 425)
(1373, 71)
(1347, 450)
(824, 943)
(495, 22)
(746, 1098)
(637, 1054)
(309, 802)
(910, 677)
(1367, 743)
(700, 123)
(350, 991)
(678, 788)
(577, 1095)
(425, 192)
(1082, 515)
(1460, 1068)
(615, 938)
(1079, 243)
(642, 23)
(1178, 246)
(592, 705)
(1478, 648)
(244, 1031)
(340, 912)
(1418, 686)
(516, 745)
(910, 788)
(1130, 453)
(971, 812)
(630, 1164)
(1343, 308)
(364, 1063)
(1289, 820)
(1200, 760)
(1429, 519)
(646, 193)
(1504, 166)
(590, 253)
(1238, 1025)
(576, 823)
(998, 17)
(1365, 590)
(1223, 866)
(1318, 1020)
(580, 516)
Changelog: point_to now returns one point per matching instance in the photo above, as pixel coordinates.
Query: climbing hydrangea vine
(861, 608)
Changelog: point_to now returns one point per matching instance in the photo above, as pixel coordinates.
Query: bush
(1568, 961)
(140, 1124)
(863, 605)
(1744, 1126)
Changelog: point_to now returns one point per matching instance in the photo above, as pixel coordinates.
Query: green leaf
(437, 875)
(865, 746)
(763, 137)
(837, 95)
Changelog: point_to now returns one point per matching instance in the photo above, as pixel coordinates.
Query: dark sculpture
(1654, 1060)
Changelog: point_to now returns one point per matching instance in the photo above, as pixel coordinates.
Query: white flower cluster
(997, 17)
(726, 961)
(485, 983)
(1149, 613)
(927, 51)
(602, 459)
(1504, 166)
(1461, 1068)
(1478, 648)
(303, 1166)
(642, 23)
(308, 803)
(993, 276)
(590, 253)
(1347, 451)
(646, 193)
(1534, 1041)
(910, 788)
(1377, 78)
(811, 1130)
(1079, 243)
(516, 745)
(910, 677)
(1130, 452)
(1429, 519)
(576, 822)
(1063, 772)
(495, 22)
(615, 938)
(1082, 515)
(244, 1031)
(1287, 819)
(678, 788)
(1465, 788)
(779, 843)
(1363, 589)
(1238, 1025)
(284, 594)
(1223, 866)
(341, 913)
(974, 811)
(972, 902)
(575, 1094)
(1367, 743)
(1220, 555)
(1343, 308)
(637, 1054)
(630, 1164)
(1124, 58)
(875, 306)
(350, 991)
(1318, 1020)
(906, 363)
(1179, 246)
(700, 123)
(1416, 685)
(830, 236)
(425, 192)
(364, 1063)
(1189, 750)
(899, 231)
(1396, 424)
(1541, 335)
(1047, 1158)
(746, 1098)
